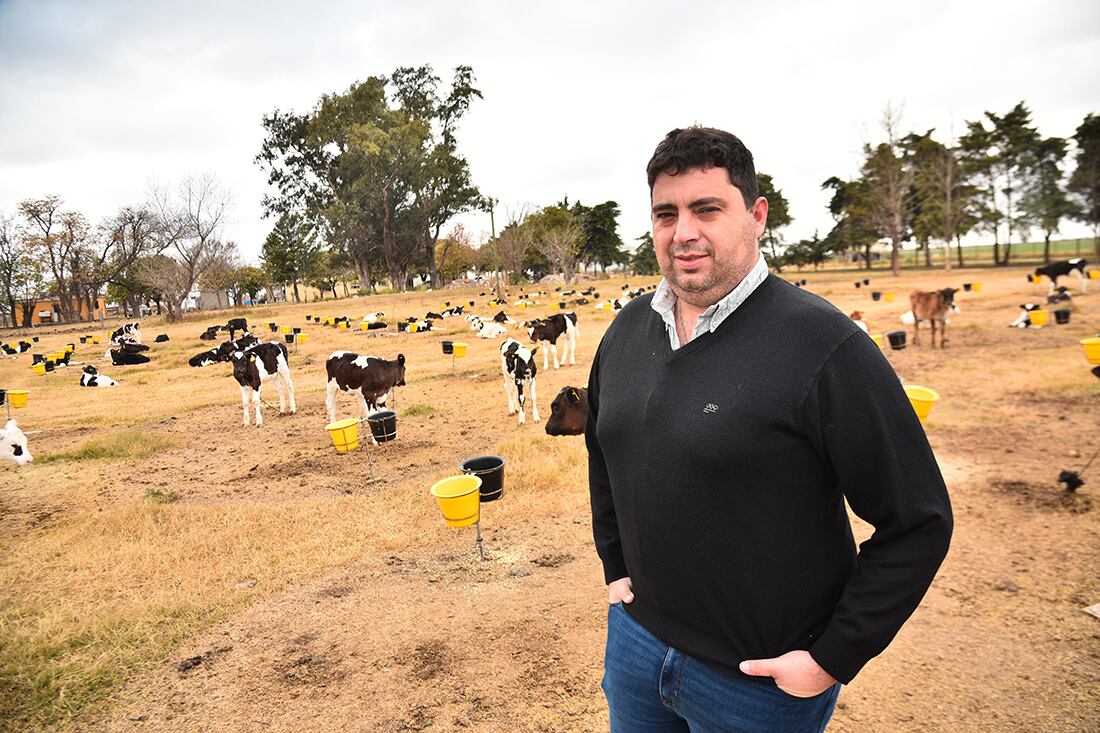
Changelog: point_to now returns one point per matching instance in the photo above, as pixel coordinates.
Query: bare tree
(889, 176)
(195, 214)
(63, 239)
(559, 240)
(127, 237)
(221, 272)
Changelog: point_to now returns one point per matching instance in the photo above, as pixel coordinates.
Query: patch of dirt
(1043, 498)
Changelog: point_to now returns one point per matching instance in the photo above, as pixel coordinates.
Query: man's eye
(663, 216)
(708, 210)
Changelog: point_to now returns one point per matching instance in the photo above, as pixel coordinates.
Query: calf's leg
(244, 402)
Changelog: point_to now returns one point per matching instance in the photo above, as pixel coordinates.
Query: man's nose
(687, 228)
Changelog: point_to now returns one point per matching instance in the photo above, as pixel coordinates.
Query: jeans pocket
(804, 698)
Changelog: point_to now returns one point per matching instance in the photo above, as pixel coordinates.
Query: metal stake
(480, 548)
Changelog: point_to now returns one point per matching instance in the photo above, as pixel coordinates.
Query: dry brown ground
(315, 601)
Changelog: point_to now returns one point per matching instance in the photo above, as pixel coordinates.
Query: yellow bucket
(889, 297)
(922, 399)
(976, 287)
(286, 329)
(303, 337)
(1094, 274)
(344, 434)
(459, 499)
(413, 328)
(343, 324)
(1092, 350)
(460, 348)
(1039, 317)
(877, 338)
(364, 326)
(327, 321)
(18, 397)
(40, 368)
(95, 339)
(59, 355)
(70, 349)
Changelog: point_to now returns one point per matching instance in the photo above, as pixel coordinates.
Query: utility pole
(491, 203)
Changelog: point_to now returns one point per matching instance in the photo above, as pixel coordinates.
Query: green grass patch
(414, 410)
(119, 444)
(162, 497)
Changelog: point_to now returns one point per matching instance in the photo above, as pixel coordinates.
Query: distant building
(48, 310)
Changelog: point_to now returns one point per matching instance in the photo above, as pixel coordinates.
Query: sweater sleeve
(605, 526)
(859, 418)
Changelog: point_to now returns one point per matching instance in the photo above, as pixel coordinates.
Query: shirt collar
(664, 300)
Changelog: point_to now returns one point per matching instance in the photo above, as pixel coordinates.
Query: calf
(517, 364)
(1059, 295)
(1024, 319)
(127, 332)
(369, 377)
(372, 317)
(1056, 270)
(223, 352)
(502, 317)
(490, 330)
(210, 334)
(13, 444)
(90, 377)
(568, 412)
(550, 329)
(234, 325)
(256, 365)
(932, 306)
(127, 353)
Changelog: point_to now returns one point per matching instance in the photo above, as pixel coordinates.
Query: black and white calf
(91, 377)
(369, 377)
(1056, 270)
(517, 364)
(127, 332)
(127, 353)
(256, 365)
(223, 352)
(234, 325)
(550, 330)
(1024, 319)
(13, 444)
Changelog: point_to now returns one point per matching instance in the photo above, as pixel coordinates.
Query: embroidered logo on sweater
(710, 408)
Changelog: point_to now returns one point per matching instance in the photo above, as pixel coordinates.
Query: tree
(62, 239)
(600, 242)
(644, 259)
(377, 165)
(557, 236)
(196, 212)
(888, 174)
(813, 251)
(943, 194)
(1044, 203)
(1000, 156)
(128, 236)
(290, 250)
(1084, 183)
(854, 228)
(454, 255)
(220, 274)
(22, 277)
(248, 281)
(513, 243)
(779, 216)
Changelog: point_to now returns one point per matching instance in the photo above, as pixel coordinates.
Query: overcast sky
(98, 99)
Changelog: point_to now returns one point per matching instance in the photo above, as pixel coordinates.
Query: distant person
(730, 416)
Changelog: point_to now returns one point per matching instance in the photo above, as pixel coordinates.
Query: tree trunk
(947, 254)
(895, 258)
(927, 255)
(296, 298)
(1046, 247)
(959, 249)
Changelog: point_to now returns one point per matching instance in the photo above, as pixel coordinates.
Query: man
(730, 416)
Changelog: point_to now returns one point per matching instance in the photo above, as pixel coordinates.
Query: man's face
(705, 238)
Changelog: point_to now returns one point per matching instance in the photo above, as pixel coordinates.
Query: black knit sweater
(719, 471)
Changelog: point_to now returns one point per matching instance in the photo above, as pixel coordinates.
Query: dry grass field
(163, 568)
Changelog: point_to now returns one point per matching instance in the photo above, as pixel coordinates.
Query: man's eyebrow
(705, 201)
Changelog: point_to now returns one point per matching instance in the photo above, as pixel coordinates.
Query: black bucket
(289, 338)
(273, 326)
(83, 339)
(805, 281)
(561, 305)
(309, 318)
(1061, 315)
(866, 281)
(859, 284)
(471, 304)
(490, 469)
(897, 340)
(3, 397)
(967, 286)
(448, 347)
(876, 294)
(1031, 279)
(297, 330)
(37, 358)
(34, 339)
(383, 425)
(49, 365)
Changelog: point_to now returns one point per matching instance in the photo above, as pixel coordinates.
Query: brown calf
(932, 306)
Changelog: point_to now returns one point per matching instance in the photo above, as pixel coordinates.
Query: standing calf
(369, 377)
(932, 306)
(1056, 270)
(549, 330)
(261, 363)
(517, 364)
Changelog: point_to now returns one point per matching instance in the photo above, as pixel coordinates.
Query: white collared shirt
(664, 302)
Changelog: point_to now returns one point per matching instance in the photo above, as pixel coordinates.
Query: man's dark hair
(705, 147)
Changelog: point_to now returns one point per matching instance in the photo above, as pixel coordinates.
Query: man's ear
(760, 216)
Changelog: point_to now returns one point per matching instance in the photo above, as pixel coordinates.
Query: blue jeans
(654, 688)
